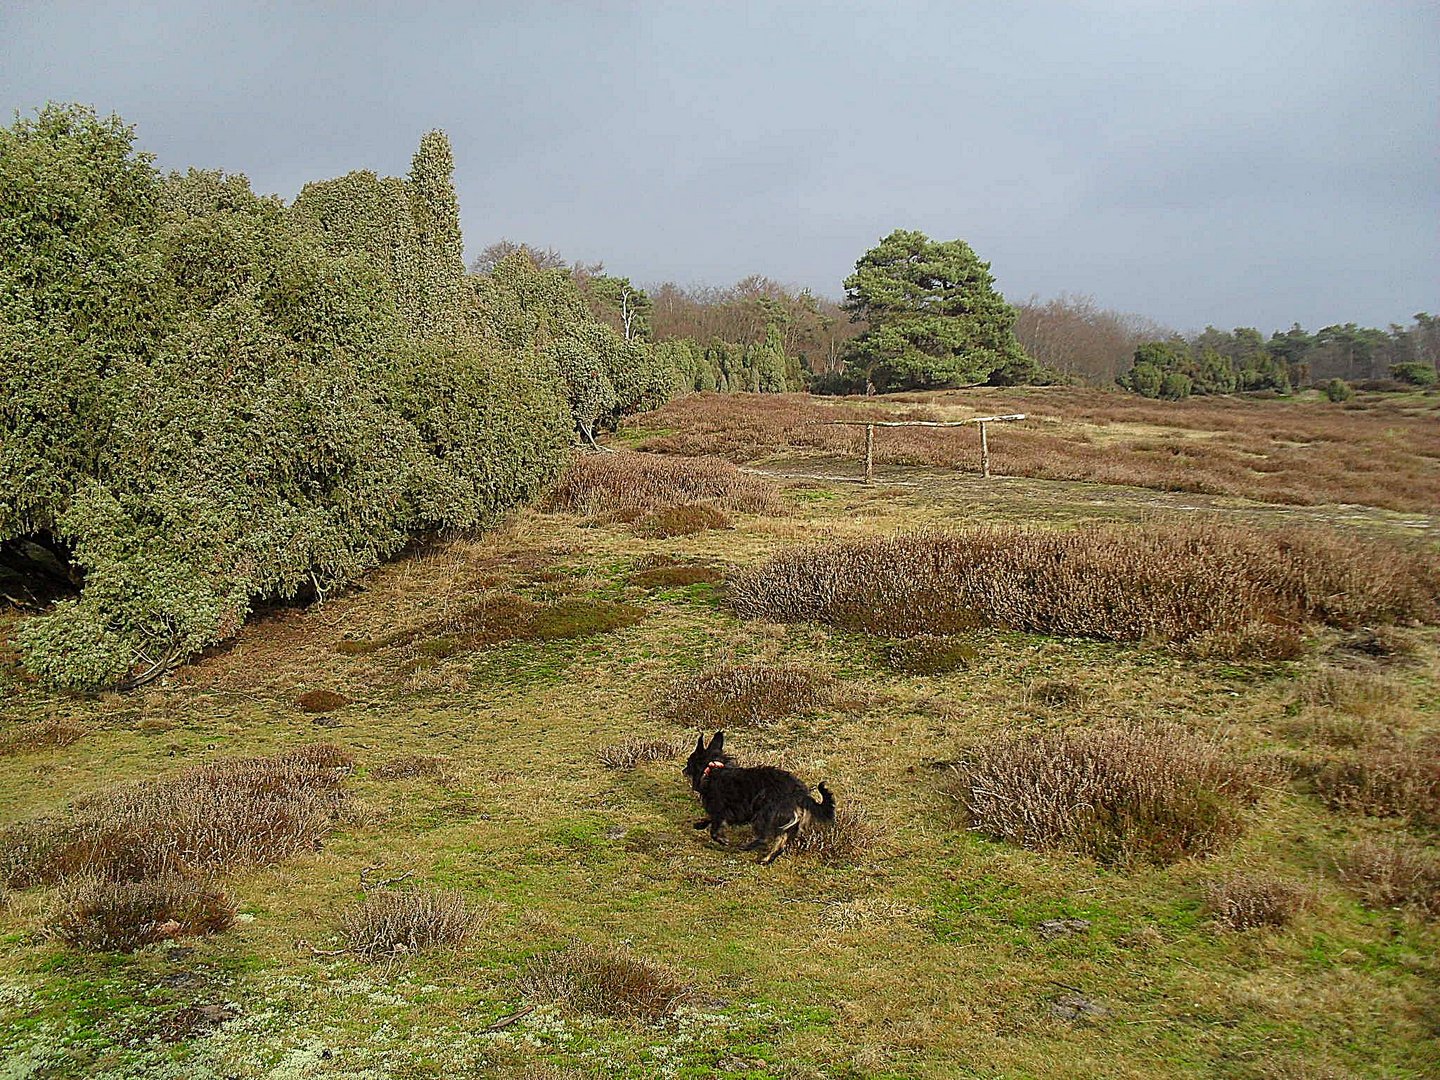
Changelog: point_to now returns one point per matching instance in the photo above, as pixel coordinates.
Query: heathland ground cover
(1061, 851)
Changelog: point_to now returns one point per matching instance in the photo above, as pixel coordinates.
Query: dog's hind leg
(786, 834)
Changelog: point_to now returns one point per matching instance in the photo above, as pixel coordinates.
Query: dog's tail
(824, 810)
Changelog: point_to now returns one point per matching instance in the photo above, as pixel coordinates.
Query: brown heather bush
(1358, 693)
(321, 701)
(410, 766)
(1389, 874)
(684, 520)
(122, 916)
(850, 836)
(1181, 582)
(1120, 795)
(676, 575)
(629, 753)
(501, 618)
(1248, 901)
(20, 737)
(605, 981)
(626, 485)
(240, 812)
(1387, 779)
(753, 693)
(930, 654)
(392, 923)
(1280, 452)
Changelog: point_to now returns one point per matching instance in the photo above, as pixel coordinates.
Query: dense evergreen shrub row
(208, 398)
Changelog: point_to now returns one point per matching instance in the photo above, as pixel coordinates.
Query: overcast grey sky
(1229, 163)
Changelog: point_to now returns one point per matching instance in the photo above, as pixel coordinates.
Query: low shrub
(1338, 390)
(1390, 874)
(1119, 795)
(684, 520)
(20, 737)
(1357, 693)
(930, 654)
(850, 836)
(676, 575)
(754, 693)
(1175, 583)
(321, 701)
(503, 618)
(629, 753)
(624, 485)
(392, 923)
(1054, 694)
(1388, 779)
(605, 981)
(1248, 901)
(411, 766)
(122, 916)
(241, 812)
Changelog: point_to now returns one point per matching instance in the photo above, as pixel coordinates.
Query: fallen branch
(506, 1021)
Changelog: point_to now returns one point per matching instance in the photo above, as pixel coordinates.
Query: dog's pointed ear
(717, 744)
(700, 744)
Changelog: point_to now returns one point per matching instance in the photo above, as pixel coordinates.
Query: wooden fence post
(869, 453)
(984, 452)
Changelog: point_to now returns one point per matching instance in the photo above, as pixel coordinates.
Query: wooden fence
(871, 425)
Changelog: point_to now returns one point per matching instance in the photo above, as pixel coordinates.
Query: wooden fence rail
(871, 425)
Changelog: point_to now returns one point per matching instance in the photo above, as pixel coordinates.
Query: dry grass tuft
(930, 654)
(389, 924)
(1248, 901)
(122, 916)
(676, 575)
(625, 485)
(755, 694)
(850, 836)
(1185, 582)
(321, 701)
(241, 812)
(51, 734)
(1120, 795)
(684, 520)
(410, 766)
(1387, 779)
(630, 753)
(1357, 693)
(1394, 875)
(1054, 694)
(606, 982)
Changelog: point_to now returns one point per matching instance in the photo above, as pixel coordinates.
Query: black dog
(771, 800)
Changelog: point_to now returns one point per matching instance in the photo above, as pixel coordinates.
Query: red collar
(713, 765)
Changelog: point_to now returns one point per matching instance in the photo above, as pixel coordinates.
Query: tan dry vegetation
(624, 486)
(930, 654)
(1249, 900)
(684, 520)
(636, 751)
(1394, 874)
(606, 981)
(416, 766)
(848, 838)
(1382, 453)
(122, 916)
(241, 812)
(1222, 589)
(753, 694)
(1390, 778)
(1120, 795)
(391, 923)
(20, 737)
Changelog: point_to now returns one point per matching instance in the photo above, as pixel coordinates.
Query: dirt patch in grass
(1247, 901)
(392, 923)
(23, 737)
(1216, 588)
(606, 982)
(1120, 795)
(122, 916)
(748, 694)
(624, 486)
(240, 812)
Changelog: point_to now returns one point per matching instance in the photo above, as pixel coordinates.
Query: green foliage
(1414, 373)
(934, 317)
(728, 367)
(224, 404)
(1214, 363)
(1338, 390)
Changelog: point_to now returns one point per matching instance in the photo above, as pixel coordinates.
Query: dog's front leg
(716, 828)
